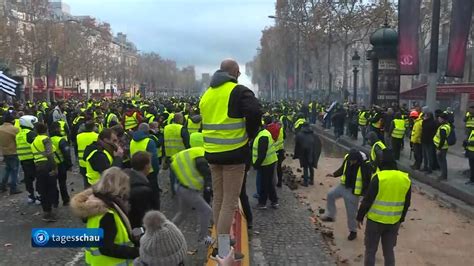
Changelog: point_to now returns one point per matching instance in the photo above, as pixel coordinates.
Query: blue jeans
(12, 165)
(308, 174)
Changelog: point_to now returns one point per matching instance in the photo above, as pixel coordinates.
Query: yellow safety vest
(399, 130)
(93, 255)
(131, 122)
(280, 143)
(193, 127)
(150, 118)
(377, 124)
(111, 117)
(38, 149)
(390, 200)
(62, 128)
(159, 149)
(299, 123)
(92, 175)
(221, 133)
(471, 138)
(358, 183)
(196, 140)
(169, 121)
(173, 140)
(372, 151)
(23, 148)
(362, 118)
(136, 146)
(437, 137)
(184, 167)
(84, 139)
(469, 120)
(76, 120)
(17, 124)
(58, 155)
(270, 156)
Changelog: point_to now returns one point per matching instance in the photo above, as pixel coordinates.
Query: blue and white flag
(7, 85)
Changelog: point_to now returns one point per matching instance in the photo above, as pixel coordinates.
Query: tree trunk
(345, 68)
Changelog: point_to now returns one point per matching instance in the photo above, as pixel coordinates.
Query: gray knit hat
(163, 243)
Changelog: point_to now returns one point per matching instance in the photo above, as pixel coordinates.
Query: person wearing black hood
(307, 150)
(355, 178)
(102, 154)
(428, 131)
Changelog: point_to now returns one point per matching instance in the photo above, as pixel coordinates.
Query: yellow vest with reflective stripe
(196, 140)
(399, 130)
(390, 200)
(84, 139)
(362, 119)
(131, 122)
(23, 148)
(110, 117)
(62, 127)
(173, 140)
(184, 166)
(299, 123)
(372, 151)
(468, 147)
(358, 183)
(469, 120)
(150, 118)
(136, 146)
(38, 149)
(58, 155)
(221, 133)
(280, 143)
(92, 175)
(437, 137)
(271, 156)
(93, 255)
(193, 127)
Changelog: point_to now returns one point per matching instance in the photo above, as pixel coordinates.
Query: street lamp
(355, 64)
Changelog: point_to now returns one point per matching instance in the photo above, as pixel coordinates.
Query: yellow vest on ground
(131, 122)
(193, 127)
(390, 200)
(437, 137)
(38, 149)
(93, 255)
(196, 140)
(358, 183)
(399, 130)
(23, 148)
(270, 156)
(221, 133)
(362, 119)
(92, 175)
(173, 140)
(84, 139)
(280, 143)
(184, 166)
(58, 155)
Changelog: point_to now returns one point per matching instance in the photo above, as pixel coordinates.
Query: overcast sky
(191, 32)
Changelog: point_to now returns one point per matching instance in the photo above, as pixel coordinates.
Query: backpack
(451, 139)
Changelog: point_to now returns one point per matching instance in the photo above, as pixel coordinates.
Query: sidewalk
(455, 185)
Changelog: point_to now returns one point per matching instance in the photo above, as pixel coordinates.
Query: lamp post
(355, 64)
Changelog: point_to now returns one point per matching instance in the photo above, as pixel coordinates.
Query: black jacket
(351, 174)
(307, 148)
(428, 130)
(140, 199)
(370, 196)
(242, 104)
(99, 160)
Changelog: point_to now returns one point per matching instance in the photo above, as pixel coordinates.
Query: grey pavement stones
(285, 236)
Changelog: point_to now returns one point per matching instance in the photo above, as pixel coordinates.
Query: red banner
(408, 24)
(458, 36)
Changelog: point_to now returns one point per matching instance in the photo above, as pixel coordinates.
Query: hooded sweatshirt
(151, 147)
(242, 104)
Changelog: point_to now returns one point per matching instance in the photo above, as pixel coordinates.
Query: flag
(458, 37)
(408, 24)
(7, 85)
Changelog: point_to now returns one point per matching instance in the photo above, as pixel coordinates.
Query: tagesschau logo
(66, 237)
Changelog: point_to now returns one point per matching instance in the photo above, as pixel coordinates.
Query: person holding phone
(102, 154)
